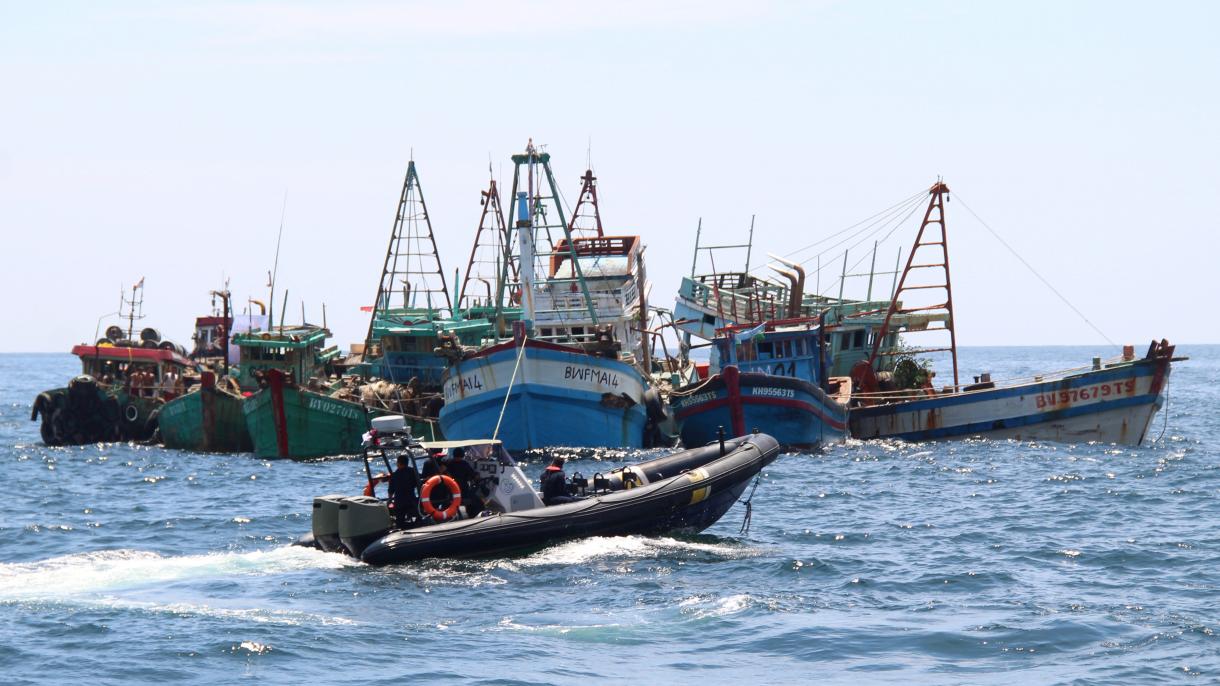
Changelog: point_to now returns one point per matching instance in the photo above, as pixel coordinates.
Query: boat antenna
(137, 300)
(275, 266)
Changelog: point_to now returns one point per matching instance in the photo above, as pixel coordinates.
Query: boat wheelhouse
(774, 378)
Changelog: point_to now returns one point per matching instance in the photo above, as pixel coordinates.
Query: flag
(750, 334)
(139, 285)
(366, 308)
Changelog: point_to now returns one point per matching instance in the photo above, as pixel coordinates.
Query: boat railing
(992, 384)
(554, 305)
(759, 302)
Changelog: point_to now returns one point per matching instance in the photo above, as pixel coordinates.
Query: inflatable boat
(685, 492)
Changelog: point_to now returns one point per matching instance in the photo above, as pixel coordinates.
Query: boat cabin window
(858, 339)
(766, 350)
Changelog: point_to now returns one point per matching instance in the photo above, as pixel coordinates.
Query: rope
(509, 392)
(1034, 271)
(1165, 425)
(913, 208)
(745, 524)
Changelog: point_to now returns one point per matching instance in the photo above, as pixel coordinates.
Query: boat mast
(136, 302)
(530, 208)
(588, 203)
(411, 257)
(934, 215)
(488, 251)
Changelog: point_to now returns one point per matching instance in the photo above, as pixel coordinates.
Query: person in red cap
(555, 484)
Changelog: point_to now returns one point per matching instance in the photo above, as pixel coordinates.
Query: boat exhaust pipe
(797, 294)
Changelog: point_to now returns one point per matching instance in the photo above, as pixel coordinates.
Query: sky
(162, 141)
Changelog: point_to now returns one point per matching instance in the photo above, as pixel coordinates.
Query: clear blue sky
(157, 139)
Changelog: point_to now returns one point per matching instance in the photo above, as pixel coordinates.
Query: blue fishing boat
(534, 394)
(774, 379)
(572, 372)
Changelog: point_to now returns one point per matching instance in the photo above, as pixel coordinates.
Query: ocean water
(988, 562)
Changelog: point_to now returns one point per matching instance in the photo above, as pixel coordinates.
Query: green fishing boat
(208, 417)
(292, 414)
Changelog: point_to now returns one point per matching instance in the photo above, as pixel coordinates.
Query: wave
(106, 571)
(601, 548)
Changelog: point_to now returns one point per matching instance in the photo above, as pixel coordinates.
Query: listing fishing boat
(712, 302)
(123, 381)
(681, 493)
(1109, 401)
(207, 416)
(774, 378)
(572, 372)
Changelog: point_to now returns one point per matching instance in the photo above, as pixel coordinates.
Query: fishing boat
(207, 416)
(572, 372)
(1109, 401)
(123, 381)
(774, 378)
(412, 311)
(709, 303)
(299, 411)
(681, 493)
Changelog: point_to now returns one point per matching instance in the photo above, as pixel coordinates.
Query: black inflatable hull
(684, 502)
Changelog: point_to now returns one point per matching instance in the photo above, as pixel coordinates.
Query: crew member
(555, 484)
(403, 484)
(467, 478)
(432, 465)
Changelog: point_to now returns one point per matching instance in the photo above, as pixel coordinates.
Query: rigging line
(1034, 271)
(875, 225)
(867, 220)
(894, 228)
(509, 392)
(910, 209)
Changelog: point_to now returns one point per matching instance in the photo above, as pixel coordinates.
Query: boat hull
(686, 503)
(287, 421)
(561, 396)
(207, 420)
(88, 412)
(796, 412)
(1108, 405)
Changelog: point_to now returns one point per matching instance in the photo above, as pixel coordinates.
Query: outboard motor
(362, 520)
(326, 522)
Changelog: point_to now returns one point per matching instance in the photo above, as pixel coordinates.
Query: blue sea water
(989, 562)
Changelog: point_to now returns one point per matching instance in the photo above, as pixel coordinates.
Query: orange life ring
(455, 501)
(371, 486)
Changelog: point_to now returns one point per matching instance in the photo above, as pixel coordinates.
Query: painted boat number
(593, 374)
(774, 392)
(696, 399)
(331, 408)
(1094, 392)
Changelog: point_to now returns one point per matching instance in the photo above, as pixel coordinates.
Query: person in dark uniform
(432, 465)
(404, 483)
(555, 484)
(467, 478)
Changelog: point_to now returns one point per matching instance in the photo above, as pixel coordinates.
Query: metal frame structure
(411, 211)
(498, 247)
(939, 194)
(538, 223)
